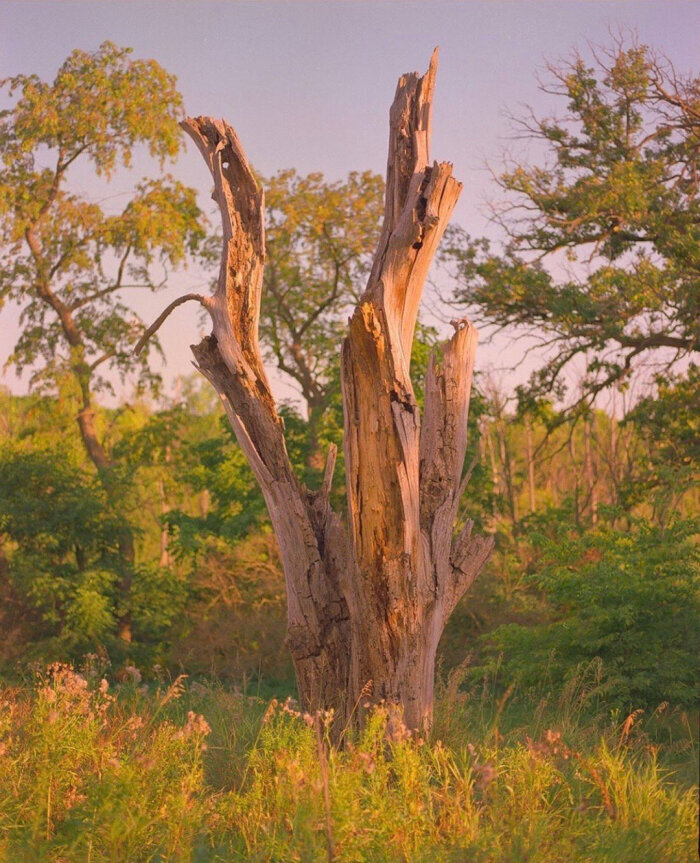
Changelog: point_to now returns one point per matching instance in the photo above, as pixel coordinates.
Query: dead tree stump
(367, 600)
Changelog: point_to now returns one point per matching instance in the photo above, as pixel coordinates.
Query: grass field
(190, 771)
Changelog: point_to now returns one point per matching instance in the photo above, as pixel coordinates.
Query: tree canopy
(603, 252)
(66, 260)
(319, 237)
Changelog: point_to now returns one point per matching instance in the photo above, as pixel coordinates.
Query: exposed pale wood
(231, 360)
(403, 485)
(366, 605)
(443, 448)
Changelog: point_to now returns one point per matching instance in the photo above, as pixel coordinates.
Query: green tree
(66, 260)
(319, 238)
(603, 251)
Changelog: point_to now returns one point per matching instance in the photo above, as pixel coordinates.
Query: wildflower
(196, 724)
(271, 708)
(551, 746)
(67, 681)
(396, 730)
(73, 797)
(133, 725)
(289, 707)
(132, 672)
(367, 762)
(72, 682)
(486, 774)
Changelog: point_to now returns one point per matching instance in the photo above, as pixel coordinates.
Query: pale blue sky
(309, 84)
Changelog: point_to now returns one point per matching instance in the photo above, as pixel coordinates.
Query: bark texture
(404, 481)
(367, 602)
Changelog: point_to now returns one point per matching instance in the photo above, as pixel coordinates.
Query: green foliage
(67, 259)
(62, 547)
(617, 192)
(95, 105)
(668, 424)
(158, 600)
(214, 465)
(59, 538)
(623, 602)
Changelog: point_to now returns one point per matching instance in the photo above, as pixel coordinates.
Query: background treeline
(137, 532)
(593, 573)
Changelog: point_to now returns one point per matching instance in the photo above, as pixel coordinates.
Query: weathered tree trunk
(367, 604)
(403, 481)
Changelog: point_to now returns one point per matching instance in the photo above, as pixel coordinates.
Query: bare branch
(155, 326)
(108, 355)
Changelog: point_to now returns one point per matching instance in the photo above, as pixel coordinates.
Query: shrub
(624, 601)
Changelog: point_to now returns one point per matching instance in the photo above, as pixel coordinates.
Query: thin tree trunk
(165, 559)
(574, 464)
(495, 475)
(530, 465)
(507, 469)
(614, 457)
(367, 603)
(590, 474)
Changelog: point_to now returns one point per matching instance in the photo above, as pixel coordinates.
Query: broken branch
(155, 326)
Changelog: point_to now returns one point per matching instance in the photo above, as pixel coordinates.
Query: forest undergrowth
(97, 770)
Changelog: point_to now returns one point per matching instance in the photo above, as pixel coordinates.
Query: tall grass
(190, 772)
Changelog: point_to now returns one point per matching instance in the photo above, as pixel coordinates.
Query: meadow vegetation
(185, 770)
